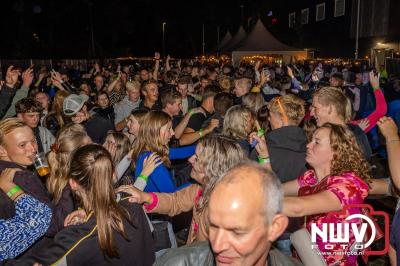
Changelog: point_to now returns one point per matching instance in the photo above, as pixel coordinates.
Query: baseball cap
(74, 103)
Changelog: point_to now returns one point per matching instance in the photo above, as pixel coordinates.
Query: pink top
(380, 111)
(349, 189)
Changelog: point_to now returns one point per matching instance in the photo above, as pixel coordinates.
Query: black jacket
(6, 96)
(78, 245)
(287, 151)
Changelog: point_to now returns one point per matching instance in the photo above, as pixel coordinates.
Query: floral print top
(349, 189)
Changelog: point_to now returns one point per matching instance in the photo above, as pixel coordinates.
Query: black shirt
(196, 121)
(97, 128)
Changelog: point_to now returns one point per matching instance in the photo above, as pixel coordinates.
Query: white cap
(74, 103)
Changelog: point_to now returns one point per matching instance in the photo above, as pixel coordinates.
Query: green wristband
(262, 160)
(201, 133)
(14, 190)
(143, 177)
(260, 132)
(190, 112)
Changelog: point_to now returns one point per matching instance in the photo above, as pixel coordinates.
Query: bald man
(244, 212)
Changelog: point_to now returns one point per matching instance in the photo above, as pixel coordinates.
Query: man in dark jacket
(244, 212)
(97, 127)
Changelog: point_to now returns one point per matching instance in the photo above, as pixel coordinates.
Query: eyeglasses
(285, 118)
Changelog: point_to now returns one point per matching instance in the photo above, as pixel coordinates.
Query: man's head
(102, 100)
(171, 102)
(144, 75)
(183, 85)
(74, 106)
(44, 99)
(244, 214)
(17, 142)
(99, 82)
(150, 90)
(28, 110)
(336, 80)
(208, 97)
(242, 86)
(133, 90)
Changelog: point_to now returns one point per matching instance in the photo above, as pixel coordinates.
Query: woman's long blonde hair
(122, 146)
(57, 107)
(149, 138)
(347, 155)
(217, 154)
(92, 168)
(238, 122)
(68, 139)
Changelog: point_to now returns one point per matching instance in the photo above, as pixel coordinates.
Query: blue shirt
(30, 222)
(161, 179)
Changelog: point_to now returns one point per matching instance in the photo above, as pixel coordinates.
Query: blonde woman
(55, 120)
(70, 138)
(214, 156)
(154, 137)
(112, 233)
(239, 122)
(254, 101)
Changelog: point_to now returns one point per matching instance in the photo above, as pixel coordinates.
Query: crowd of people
(253, 154)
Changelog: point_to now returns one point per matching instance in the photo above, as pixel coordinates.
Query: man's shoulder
(276, 258)
(195, 254)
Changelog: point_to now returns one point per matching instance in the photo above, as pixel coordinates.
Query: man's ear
(19, 116)
(277, 227)
(3, 152)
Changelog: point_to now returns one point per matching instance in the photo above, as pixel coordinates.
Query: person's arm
(291, 188)
(167, 65)
(306, 205)
(381, 106)
(190, 136)
(160, 179)
(112, 84)
(180, 128)
(121, 125)
(156, 66)
(20, 233)
(380, 187)
(181, 152)
(389, 130)
(170, 204)
(27, 79)
(120, 120)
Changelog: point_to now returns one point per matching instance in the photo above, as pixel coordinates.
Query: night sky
(61, 29)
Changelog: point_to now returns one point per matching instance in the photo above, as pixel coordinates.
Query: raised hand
(388, 128)
(27, 77)
(374, 80)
